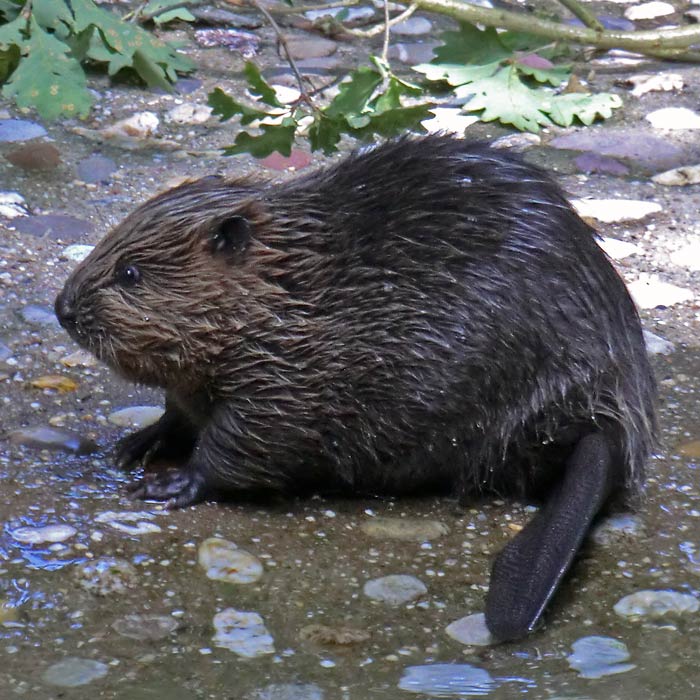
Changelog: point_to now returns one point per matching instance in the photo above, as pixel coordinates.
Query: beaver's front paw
(139, 448)
(179, 487)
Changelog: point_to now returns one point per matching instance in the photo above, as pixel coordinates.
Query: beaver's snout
(65, 309)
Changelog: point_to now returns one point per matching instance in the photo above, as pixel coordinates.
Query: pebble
(649, 292)
(288, 691)
(223, 561)
(38, 315)
(136, 416)
(96, 169)
(595, 657)
(396, 589)
(12, 130)
(53, 439)
(448, 119)
(413, 54)
(39, 535)
(186, 86)
(634, 144)
(688, 256)
(106, 576)
(243, 633)
(447, 680)
(617, 249)
(616, 528)
(649, 10)
(596, 163)
(72, 672)
(79, 358)
(5, 352)
(413, 26)
(517, 142)
(189, 113)
(120, 520)
(76, 252)
(35, 156)
(679, 177)
(674, 118)
(12, 205)
(613, 210)
(54, 226)
(140, 125)
(410, 529)
(246, 43)
(145, 626)
(657, 345)
(297, 160)
(311, 48)
(656, 604)
(470, 630)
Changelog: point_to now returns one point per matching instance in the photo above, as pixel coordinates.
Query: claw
(178, 487)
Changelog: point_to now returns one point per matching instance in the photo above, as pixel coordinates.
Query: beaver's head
(165, 292)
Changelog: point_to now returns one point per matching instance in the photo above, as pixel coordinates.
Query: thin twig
(387, 32)
(584, 14)
(384, 26)
(303, 94)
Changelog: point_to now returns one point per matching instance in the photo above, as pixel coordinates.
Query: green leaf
(393, 122)
(325, 132)
(48, 78)
(181, 13)
(13, 33)
(278, 138)
(123, 40)
(582, 106)
(354, 93)
(470, 45)
(506, 98)
(151, 73)
(259, 87)
(53, 15)
(9, 10)
(554, 76)
(226, 107)
(457, 74)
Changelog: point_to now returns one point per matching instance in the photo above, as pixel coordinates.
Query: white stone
(223, 561)
(243, 633)
(649, 292)
(674, 118)
(470, 630)
(38, 535)
(656, 604)
(617, 249)
(688, 256)
(649, 10)
(450, 119)
(395, 589)
(612, 210)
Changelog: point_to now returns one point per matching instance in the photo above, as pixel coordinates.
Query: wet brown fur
(429, 313)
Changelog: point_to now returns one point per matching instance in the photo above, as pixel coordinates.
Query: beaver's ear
(231, 236)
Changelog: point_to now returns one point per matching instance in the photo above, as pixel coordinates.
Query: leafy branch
(44, 45)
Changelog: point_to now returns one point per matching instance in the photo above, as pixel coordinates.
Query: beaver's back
(460, 302)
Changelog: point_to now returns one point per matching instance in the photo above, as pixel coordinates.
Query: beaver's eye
(231, 235)
(127, 275)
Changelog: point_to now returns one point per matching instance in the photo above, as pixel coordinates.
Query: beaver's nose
(65, 308)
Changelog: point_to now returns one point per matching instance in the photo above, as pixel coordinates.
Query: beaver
(427, 313)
